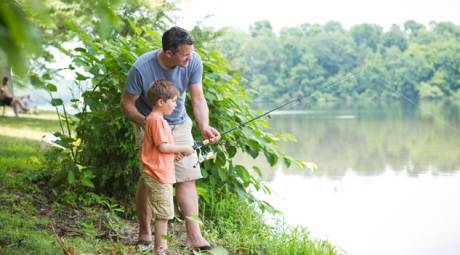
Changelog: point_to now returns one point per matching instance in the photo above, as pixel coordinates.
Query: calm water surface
(388, 178)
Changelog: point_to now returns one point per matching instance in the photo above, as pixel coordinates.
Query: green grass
(28, 209)
(26, 122)
(242, 229)
(23, 229)
(20, 160)
(25, 216)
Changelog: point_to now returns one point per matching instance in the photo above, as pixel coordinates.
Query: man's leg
(188, 202)
(144, 213)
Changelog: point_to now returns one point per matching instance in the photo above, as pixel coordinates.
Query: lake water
(388, 178)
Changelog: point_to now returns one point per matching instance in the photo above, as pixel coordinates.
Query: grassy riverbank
(34, 221)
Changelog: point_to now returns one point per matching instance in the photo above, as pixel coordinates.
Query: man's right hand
(210, 134)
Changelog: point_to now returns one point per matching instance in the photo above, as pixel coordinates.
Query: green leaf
(81, 77)
(51, 87)
(257, 170)
(231, 150)
(271, 157)
(243, 173)
(46, 76)
(72, 26)
(56, 102)
(311, 166)
(134, 27)
(252, 152)
(290, 137)
(219, 250)
(201, 191)
(220, 159)
(71, 177)
(222, 174)
(287, 161)
(195, 218)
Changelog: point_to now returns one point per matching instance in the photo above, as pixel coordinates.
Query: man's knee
(185, 186)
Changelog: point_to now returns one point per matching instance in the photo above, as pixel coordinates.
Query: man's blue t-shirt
(147, 69)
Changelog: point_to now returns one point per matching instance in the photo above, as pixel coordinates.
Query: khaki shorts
(160, 197)
(188, 168)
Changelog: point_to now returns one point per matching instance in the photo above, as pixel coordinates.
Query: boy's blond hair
(162, 89)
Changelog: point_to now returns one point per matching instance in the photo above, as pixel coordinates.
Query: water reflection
(369, 140)
(364, 197)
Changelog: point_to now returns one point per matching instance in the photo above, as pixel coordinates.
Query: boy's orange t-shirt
(157, 164)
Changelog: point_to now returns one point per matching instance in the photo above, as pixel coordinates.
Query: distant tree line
(330, 63)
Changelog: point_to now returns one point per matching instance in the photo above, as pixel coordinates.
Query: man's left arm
(201, 112)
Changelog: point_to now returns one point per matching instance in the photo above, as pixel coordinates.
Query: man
(178, 63)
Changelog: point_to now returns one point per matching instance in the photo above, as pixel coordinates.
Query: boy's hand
(178, 156)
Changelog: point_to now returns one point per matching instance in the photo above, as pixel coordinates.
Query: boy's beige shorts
(160, 197)
(182, 134)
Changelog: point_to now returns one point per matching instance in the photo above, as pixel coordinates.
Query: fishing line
(353, 74)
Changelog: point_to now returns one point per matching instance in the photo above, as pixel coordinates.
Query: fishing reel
(210, 154)
(201, 158)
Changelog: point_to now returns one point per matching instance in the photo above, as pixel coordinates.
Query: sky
(288, 13)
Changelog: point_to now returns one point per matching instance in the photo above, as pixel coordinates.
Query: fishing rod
(199, 145)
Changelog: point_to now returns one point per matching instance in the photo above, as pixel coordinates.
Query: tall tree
(395, 37)
(367, 35)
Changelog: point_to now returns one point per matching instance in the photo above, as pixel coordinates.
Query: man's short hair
(174, 37)
(5, 80)
(162, 89)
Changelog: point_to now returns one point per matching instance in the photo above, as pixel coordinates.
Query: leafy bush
(105, 142)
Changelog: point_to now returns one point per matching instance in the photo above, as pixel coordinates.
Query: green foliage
(30, 27)
(19, 38)
(305, 61)
(229, 103)
(102, 154)
(108, 144)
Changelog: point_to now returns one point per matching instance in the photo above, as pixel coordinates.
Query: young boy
(157, 155)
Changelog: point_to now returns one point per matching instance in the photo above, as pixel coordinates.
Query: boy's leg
(160, 197)
(161, 229)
